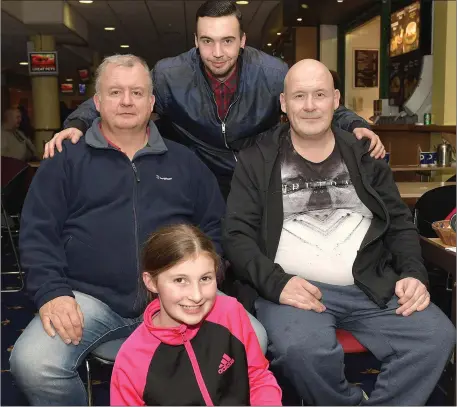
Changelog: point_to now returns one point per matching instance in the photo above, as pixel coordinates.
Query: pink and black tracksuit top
(217, 362)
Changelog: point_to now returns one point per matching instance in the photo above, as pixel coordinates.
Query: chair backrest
(11, 167)
(14, 184)
(434, 205)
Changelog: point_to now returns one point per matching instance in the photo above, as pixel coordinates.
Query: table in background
(419, 168)
(434, 252)
(417, 189)
(423, 171)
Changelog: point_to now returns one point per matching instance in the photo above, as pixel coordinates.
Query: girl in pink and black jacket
(194, 347)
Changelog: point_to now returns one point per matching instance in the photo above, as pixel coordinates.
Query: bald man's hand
(299, 293)
(376, 147)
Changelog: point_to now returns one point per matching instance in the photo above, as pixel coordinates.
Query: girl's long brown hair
(171, 245)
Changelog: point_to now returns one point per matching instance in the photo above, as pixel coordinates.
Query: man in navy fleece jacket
(87, 214)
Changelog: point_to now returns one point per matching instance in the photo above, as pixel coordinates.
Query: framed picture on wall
(366, 68)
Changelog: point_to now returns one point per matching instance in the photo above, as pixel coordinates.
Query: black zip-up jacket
(252, 228)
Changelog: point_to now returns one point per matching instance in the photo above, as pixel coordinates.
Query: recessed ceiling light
(69, 80)
(278, 33)
(242, 2)
(23, 63)
(304, 5)
(269, 44)
(86, 1)
(110, 28)
(125, 46)
(339, 1)
(299, 19)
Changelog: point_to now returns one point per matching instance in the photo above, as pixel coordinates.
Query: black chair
(106, 354)
(434, 205)
(14, 189)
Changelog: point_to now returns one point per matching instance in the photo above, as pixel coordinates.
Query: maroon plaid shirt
(223, 91)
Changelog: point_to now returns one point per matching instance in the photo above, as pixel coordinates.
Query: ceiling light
(269, 44)
(125, 46)
(110, 28)
(339, 1)
(23, 63)
(86, 1)
(304, 5)
(299, 19)
(242, 2)
(278, 33)
(69, 80)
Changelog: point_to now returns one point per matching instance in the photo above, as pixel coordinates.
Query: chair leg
(89, 383)
(16, 256)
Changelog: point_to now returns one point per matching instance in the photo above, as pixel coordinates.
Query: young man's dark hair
(220, 8)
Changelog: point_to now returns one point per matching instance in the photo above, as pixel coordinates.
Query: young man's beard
(223, 74)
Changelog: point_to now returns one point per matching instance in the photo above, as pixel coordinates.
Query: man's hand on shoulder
(299, 293)
(413, 296)
(376, 147)
(56, 142)
(64, 315)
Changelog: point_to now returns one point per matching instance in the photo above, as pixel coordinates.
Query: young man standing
(217, 97)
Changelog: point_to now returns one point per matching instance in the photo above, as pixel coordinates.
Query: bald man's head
(308, 68)
(309, 98)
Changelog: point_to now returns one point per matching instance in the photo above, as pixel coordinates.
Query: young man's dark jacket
(188, 111)
(90, 209)
(252, 228)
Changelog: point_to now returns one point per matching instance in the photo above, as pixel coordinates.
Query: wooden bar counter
(404, 140)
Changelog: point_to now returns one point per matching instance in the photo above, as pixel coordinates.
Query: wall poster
(366, 68)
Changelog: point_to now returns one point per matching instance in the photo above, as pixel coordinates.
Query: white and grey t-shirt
(324, 220)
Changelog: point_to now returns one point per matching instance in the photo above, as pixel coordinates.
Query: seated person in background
(88, 212)
(318, 228)
(14, 142)
(191, 339)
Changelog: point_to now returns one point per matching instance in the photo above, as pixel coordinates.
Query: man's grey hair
(126, 60)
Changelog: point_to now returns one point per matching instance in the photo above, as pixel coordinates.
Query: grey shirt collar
(155, 144)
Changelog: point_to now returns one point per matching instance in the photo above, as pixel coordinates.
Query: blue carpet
(17, 311)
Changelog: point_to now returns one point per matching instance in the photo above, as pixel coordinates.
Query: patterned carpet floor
(17, 311)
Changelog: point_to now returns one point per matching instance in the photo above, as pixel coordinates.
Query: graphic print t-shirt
(324, 220)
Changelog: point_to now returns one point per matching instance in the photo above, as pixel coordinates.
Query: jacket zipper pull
(137, 177)
(223, 135)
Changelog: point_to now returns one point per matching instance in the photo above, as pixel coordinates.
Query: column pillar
(384, 50)
(444, 63)
(45, 95)
(306, 43)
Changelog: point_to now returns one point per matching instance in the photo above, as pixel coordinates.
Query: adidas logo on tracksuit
(226, 362)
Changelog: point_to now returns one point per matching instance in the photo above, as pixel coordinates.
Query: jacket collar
(269, 142)
(170, 336)
(155, 145)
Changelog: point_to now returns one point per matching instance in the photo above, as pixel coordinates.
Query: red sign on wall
(43, 63)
